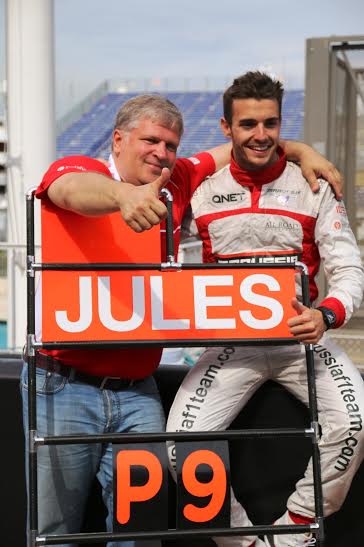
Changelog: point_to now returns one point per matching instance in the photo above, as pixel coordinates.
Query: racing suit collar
(261, 176)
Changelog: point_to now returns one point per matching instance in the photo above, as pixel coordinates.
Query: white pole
(31, 132)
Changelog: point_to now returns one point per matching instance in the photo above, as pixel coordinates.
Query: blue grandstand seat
(91, 134)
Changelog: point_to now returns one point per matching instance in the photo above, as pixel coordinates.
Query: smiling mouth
(155, 166)
(260, 148)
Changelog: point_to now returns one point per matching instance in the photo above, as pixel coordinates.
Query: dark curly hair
(252, 85)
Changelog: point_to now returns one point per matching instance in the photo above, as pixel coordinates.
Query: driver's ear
(226, 129)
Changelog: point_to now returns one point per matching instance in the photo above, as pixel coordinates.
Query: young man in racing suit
(275, 215)
(83, 391)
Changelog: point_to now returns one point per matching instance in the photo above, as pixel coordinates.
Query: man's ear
(118, 137)
(225, 127)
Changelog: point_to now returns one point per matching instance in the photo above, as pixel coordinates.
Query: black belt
(46, 362)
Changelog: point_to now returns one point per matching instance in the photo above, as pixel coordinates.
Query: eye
(247, 124)
(271, 123)
(171, 147)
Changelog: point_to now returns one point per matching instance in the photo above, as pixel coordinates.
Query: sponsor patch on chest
(274, 258)
(279, 225)
(228, 197)
(283, 197)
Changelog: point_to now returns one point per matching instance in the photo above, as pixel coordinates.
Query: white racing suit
(274, 216)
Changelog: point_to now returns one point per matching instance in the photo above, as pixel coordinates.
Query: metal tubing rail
(196, 342)
(169, 225)
(346, 46)
(120, 266)
(312, 405)
(32, 417)
(180, 436)
(174, 534)
(36, 441)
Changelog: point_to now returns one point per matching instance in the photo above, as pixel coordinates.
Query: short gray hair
(154, 107)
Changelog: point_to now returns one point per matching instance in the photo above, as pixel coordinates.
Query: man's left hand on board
(308, 326)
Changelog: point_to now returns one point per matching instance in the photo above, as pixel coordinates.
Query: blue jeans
(66, 472)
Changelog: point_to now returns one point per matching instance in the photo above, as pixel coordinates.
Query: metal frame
(326, 59)
(32, 346)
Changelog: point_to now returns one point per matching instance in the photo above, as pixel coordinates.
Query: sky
(203, 40)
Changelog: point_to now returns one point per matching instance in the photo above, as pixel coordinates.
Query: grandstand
(90, 134)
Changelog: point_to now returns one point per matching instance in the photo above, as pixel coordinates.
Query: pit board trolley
(162, 304)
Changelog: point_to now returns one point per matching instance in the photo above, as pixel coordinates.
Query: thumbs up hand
(140, 206)
(161, 181)
(308, 325)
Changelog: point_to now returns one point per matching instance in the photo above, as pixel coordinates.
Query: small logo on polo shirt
(79, 167)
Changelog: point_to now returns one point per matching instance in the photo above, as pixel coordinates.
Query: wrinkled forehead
(157, 119)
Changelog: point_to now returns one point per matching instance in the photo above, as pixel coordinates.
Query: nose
(161, 150)
(260, 132)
